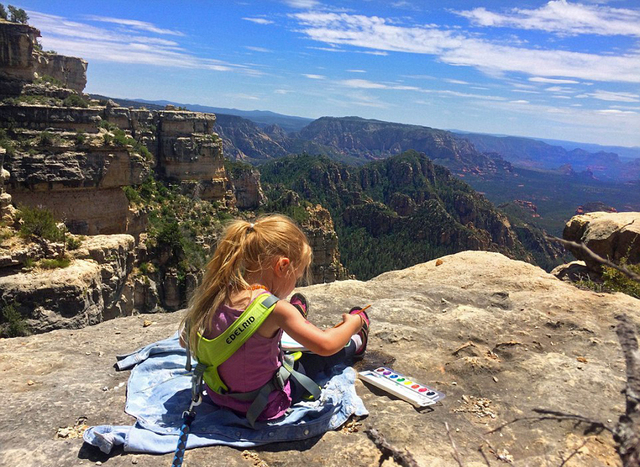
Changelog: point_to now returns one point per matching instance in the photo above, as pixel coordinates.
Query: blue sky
(557, 69)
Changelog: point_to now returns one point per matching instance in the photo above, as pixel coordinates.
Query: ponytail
(243, 248)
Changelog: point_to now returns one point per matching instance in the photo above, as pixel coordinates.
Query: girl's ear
(282, 266)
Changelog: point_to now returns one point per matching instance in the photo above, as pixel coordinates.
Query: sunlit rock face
(22, 61)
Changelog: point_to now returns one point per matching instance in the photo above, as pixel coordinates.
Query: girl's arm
(322, 342)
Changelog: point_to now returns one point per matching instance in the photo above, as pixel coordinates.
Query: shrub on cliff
(12, 324)
(17, 15)
(74, 100)
(39, 223)
(3, 13)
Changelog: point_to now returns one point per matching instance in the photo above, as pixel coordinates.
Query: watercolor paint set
(401, 386)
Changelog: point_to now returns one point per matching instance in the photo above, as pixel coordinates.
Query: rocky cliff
(373, 139)
(22, 61)
(243, 140)
(499, 337)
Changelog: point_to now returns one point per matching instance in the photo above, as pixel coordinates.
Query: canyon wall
(22, 61)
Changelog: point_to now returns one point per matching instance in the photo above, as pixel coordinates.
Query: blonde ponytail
(243, 248)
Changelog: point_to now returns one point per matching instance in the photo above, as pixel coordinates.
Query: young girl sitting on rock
(253, 260)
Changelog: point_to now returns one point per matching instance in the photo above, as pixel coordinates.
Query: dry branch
(403, 458)
(582, 247)
(594, 425)
(456, 453)
(626, 433)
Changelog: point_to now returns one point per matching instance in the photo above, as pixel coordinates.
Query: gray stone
(613, 236)
(498, 337)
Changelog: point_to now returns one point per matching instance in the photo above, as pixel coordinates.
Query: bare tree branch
(582, 247)
(484, 456)
(456, 453)
(403, 458)
(557, 416)
(626, 432)
(575, 451)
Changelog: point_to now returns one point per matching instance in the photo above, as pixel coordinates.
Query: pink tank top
(250, 368)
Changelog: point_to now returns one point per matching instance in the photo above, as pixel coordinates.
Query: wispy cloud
(328, 49)
(356, 71)
(376, 35)
(302, 4)
(128, 46)
(246, 97)
(563, 17)
(616, 112)
(310, 76)
(365, 84)
(560, 89)
(456, 81)
(257, 49)
(259, 20)
(538, 79)
(612, 96)
(134, 24)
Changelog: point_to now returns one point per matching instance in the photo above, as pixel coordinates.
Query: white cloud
(328, 49)
(616, 112)
(613, 96)
(538, 79)
(356, 71)
(302, 4)
(365, 84)
(259, 20)
(520, 101)
(257, 49)
(563, 17)
(97, 43)
(456, 81)
(376, 35)
(246, 96)
(134, 24)
(314, 76)
(282, 91)
(560, 89)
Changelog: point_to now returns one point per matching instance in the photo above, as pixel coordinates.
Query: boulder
(611, 235)
(499, 337)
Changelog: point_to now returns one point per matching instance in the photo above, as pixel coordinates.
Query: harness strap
(277, 382)
(214, 352)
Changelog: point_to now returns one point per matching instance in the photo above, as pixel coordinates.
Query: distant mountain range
(261, 118)
(553, 179)
(264, 135)
(534, 154)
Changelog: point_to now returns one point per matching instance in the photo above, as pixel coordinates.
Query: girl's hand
(352, 320)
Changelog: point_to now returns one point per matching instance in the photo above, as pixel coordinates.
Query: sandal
(364, 332)
(300, 302)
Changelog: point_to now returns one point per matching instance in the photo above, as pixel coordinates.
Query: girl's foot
(364, 332)
(300, 302)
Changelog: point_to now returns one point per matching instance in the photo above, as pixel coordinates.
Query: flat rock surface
(499, 337)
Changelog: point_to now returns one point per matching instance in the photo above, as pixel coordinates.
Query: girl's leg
(312, 365)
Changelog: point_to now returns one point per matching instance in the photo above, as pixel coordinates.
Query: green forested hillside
(400, 211)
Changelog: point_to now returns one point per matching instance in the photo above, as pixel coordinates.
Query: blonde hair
(243, 248)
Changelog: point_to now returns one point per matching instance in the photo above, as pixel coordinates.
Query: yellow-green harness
(212, 353)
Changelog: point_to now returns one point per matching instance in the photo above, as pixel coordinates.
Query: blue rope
(178, 457)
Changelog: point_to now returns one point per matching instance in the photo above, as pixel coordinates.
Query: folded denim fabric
(159, 391)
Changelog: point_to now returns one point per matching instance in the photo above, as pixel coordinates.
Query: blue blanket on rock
(159, 391)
